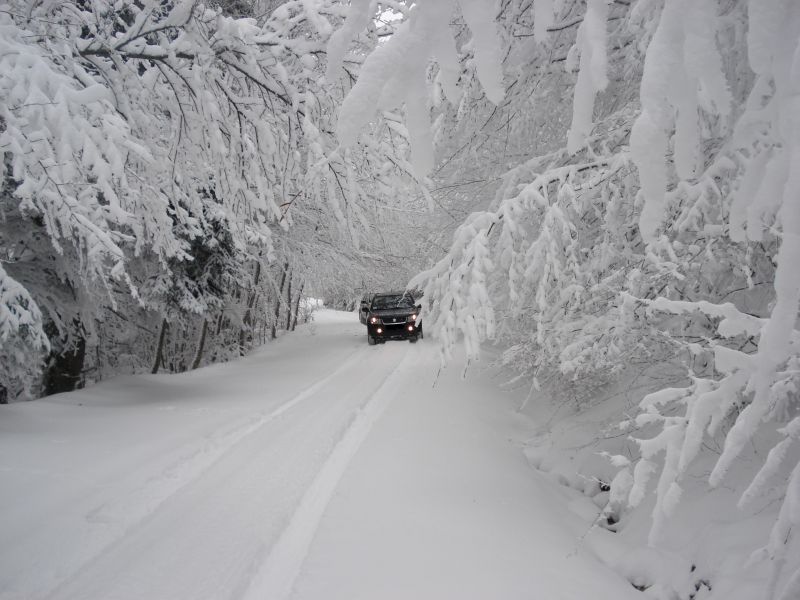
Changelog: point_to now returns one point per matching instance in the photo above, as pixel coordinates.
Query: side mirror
(419, 307)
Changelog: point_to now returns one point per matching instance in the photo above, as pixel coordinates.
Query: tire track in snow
(188, 468)
(123, 516)
(276, 577)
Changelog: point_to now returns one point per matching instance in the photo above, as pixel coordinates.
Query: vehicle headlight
(413, 317)
(374, 320)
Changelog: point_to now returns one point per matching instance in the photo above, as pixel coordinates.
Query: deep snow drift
(316, 468)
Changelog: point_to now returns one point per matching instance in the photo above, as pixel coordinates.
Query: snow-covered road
(317, 468)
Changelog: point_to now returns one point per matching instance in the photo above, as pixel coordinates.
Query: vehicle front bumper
(393, 331)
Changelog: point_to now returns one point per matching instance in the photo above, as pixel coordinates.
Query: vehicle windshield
(394, 301)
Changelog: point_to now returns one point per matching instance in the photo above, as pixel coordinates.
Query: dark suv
(391, 317)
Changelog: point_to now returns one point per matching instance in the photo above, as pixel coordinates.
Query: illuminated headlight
(374, 320)
(411, 328)
(379, 330)
(413, 317)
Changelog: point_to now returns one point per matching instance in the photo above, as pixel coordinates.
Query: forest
(607, 191)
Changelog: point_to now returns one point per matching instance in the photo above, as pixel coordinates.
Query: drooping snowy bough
(394, 74)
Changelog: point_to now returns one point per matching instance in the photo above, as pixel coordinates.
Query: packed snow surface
(316, 468)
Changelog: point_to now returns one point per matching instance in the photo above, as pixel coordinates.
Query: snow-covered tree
(652, 218)
(150, 150)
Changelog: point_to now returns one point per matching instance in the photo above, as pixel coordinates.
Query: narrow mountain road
(317, 468)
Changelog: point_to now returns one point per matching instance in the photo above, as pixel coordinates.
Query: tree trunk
(297, 305)
(198, 356)
(248, 313)
(277, 315)
(289, 303)
(162, 336)
(216, 334)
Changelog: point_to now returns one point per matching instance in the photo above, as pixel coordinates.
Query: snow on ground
(706, 552)
(316, 468)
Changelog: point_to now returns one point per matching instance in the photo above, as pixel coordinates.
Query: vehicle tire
(370, 340)
(413, 340)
